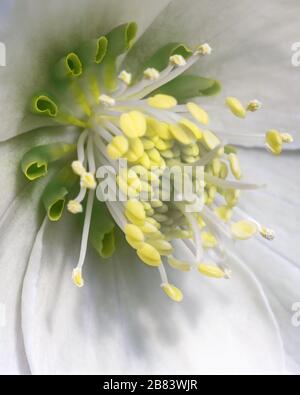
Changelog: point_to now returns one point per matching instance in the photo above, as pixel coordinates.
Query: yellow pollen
(177, 60)
(74, 207)
(135, 210)
(254, 105)
(210, 140)
(204, 49)
(208, 240)
(267, 233)
(118, 147)
(190, 126)
(198, 113)
(235, 166)
(236, 107)
(164, 102)
(125, 77)
(211, 271)
(224, 213)
(244, 230)
(88, 181)
(287, 138)
(133, 124)
(77, 278)
(172, 292)
(179, 265)
(107, 100)
(180, 135)
(134, 236)
(151, 74)
(149, 255)
(78, 168)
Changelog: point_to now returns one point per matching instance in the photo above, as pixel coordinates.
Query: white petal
(252, 55)
(18, 228)
(12, 180)
(53, 28)
(276, 263)
(122, 323)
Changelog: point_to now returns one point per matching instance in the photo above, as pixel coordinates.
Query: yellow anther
(133, 124)
(224, 171)
(224, 213)
(162, 246)
(134, 236)
(75, 207)
(163, 145)
(287, 138)
(181, 135)
(154, 155)
(201, 222)
(235, 166)
(232, 196)
(147, 143)
(208, 240)
(244, 230)
(88, 181)
(267, 233)
(125, 77)
(179, 265)
(164, 102)
(78, 168)
(151, 74)
(172, 292)
(198, 113)
(156, 128)
(204, 49)
(135, 212)
(274, 142)
(177, 60)
(191, 150)
(254, 105)
(77, 278)
(149, 255)
(118, 147)
(107, 100)
(137, 147)
(236, 107)
(211, 271)
(145, 161)
(191, 127)
(149, 229)
(216, 167)
(210, 140)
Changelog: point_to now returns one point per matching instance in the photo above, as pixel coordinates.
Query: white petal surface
(18, 228)
(122, 323)
(252, 54)
(276, 263)
(46, 30)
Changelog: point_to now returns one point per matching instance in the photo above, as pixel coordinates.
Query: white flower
(119, 322)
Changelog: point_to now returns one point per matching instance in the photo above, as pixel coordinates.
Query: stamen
(107, 100)
(177, 60)
(125, 77)
(151, 74)
(254, 105)
(204, 49)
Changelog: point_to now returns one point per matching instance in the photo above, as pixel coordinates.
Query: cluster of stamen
(154, 134)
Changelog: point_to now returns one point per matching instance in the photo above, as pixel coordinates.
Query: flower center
(150, 123)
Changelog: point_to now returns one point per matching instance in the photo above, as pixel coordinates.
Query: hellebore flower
(78, 97)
